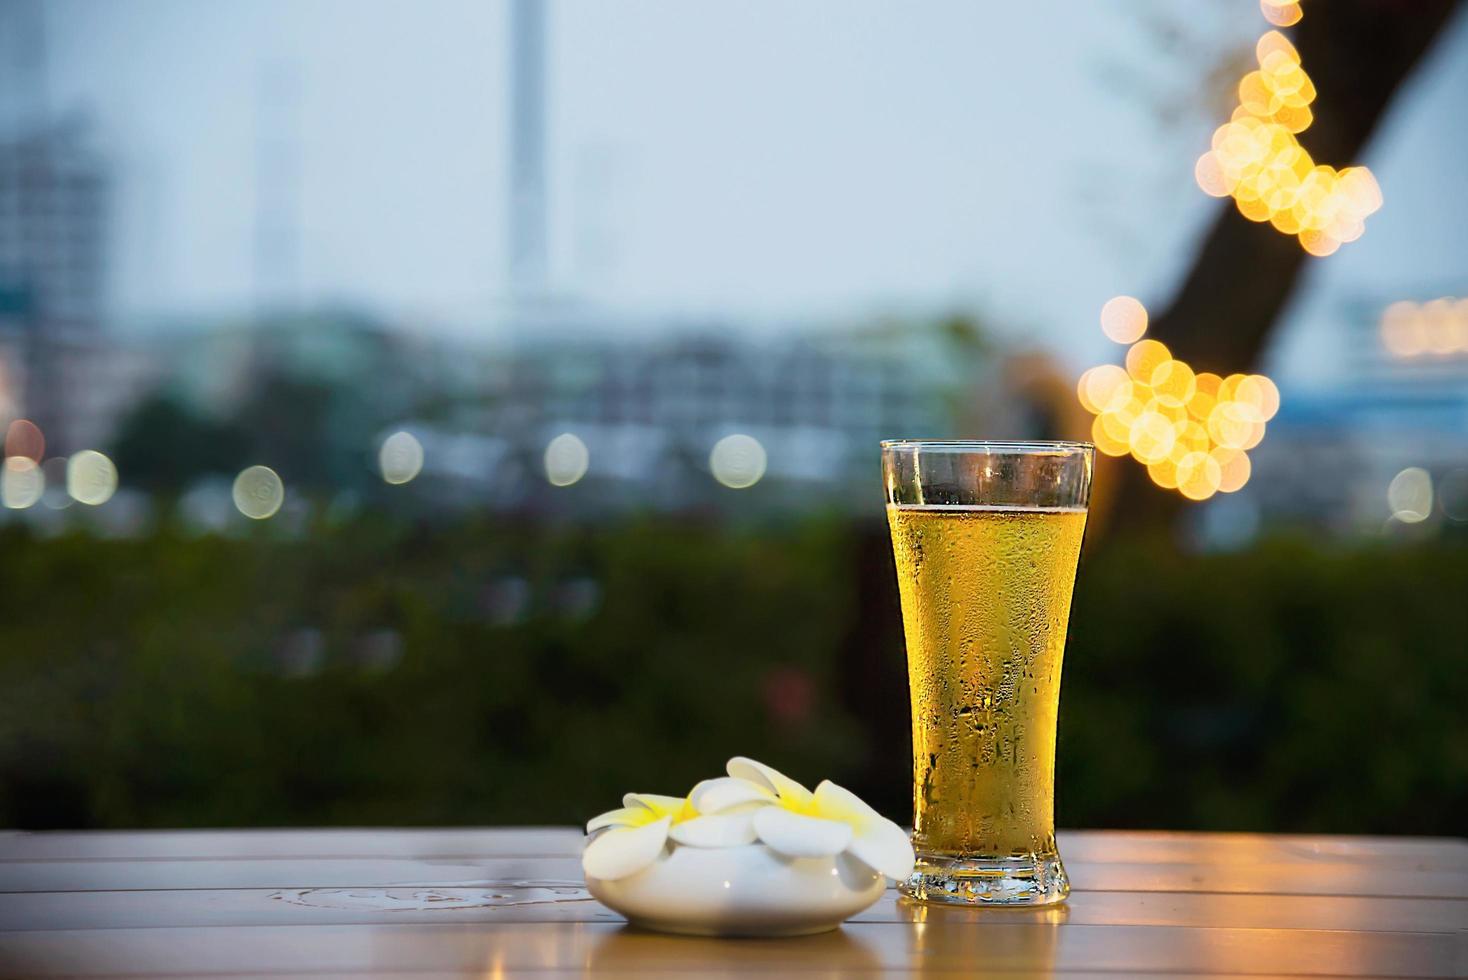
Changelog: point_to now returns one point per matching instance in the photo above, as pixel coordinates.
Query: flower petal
(796, 835)
(786, 788)
(628, 816)
(718, 795)
(661, 805)
(839, 803)
(624, 851)
(884, 847)
(714, 830)
(877, 841)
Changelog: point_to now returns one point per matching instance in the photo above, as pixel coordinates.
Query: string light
(1192, 430)
(1435, 329)
(1256, 159)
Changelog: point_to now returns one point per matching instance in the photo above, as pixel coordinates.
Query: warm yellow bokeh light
(1190, 430)
(1274, 43)
(1105, 441)
(1107, 388)
(1281, 14)
(1437, 328)
(1124, 319)
(1152, 437)
(1256, 159)
(1173, 383)
(1210, 176)
(1144, 358)
(1228, 427)
(1163, 473)
(1255, 397)
(1198, 476)
(1118, 421)
(1234, 468)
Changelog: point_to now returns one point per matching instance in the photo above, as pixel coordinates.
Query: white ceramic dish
(741, 891)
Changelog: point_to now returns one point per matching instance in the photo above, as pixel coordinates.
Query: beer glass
(986, 536)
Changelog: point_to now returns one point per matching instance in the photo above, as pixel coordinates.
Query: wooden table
(508, 902)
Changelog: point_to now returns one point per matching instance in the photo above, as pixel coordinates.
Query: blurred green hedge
(530, 672)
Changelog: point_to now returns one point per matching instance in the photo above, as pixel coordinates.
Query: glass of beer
(986, 537)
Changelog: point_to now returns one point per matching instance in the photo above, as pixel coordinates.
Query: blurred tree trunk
(1358, 53)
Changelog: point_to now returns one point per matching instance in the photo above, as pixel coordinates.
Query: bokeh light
(24, 438)
(738, 461)
(21, 482)
(1123, 319)
(566, 459)
(1191, 430)
(91, 478)
(1409, 495)
(400, 458)
(1103, 388)
(1256, 159)
(1144, 358)
(258, 492)
(1434, 329)
(1282, 13)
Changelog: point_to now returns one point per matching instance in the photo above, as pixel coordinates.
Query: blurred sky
(761, 159)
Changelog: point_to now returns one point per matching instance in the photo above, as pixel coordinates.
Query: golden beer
(986, 594)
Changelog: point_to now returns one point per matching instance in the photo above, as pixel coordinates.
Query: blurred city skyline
(880, 162)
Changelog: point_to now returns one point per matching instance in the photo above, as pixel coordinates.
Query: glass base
(1007, 881)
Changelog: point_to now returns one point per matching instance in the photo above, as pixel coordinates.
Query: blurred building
(650, 412)
(55, 195)
(1398, 402)
(54, 200)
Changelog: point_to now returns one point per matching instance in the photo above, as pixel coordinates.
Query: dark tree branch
(1358, 53)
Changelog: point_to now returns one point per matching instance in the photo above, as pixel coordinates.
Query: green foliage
(1293, 687)
(545, 669)
(164, 444)
(297, 424)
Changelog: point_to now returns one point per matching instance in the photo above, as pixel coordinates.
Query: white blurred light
(21, 483)
(90, 477)
(1410, 495)
(738, 461)
(401, 457)
(566, 460)
(258, 492)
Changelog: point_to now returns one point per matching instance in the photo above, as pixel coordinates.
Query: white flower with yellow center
(753, 804)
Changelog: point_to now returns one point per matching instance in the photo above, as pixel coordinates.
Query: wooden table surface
(493, 903)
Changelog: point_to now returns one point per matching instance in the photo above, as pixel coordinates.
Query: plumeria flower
(798, 823)
(632, 838)
(753, 803)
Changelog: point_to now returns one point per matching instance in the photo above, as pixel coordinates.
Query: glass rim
(1021, 446)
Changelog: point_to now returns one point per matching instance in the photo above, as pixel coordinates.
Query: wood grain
(858, 947)
(1385, 879)
(469, 842)
(569, 902)
(495, 902)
